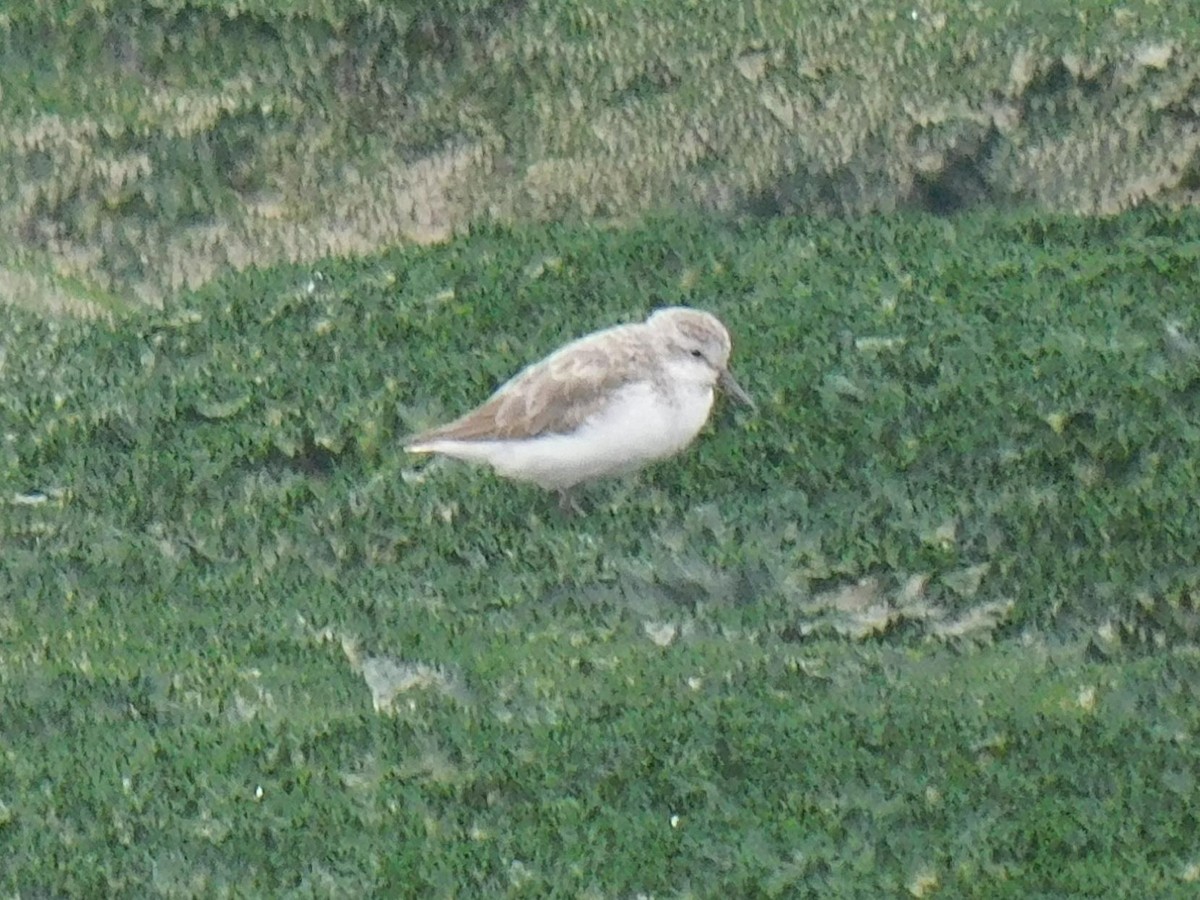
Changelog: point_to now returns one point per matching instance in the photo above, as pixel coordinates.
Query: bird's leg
(567, 504)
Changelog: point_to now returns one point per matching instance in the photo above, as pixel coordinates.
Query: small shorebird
(605, 404)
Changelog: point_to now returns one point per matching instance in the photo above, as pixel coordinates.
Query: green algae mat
(923, 624)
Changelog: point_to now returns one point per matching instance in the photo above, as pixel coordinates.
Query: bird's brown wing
(556, 394)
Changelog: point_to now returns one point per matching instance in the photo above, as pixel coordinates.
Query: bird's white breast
(640, 424)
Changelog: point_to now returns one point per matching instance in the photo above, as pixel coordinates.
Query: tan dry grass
(616, 112)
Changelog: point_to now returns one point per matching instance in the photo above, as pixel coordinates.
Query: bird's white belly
(639, 426)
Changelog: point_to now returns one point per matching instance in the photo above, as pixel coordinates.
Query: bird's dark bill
(729, 383)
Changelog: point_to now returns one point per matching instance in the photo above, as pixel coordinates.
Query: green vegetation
(151, 146)
(924, 623)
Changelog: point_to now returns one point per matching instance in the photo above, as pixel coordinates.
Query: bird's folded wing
(553, 396)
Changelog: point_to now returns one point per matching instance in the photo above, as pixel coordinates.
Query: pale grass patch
(924, 883)
(48, 132)
(979, 621)
(661, 633)
(45, 293)
(389, 678)
(183, 113)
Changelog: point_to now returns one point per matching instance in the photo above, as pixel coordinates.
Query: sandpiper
(608, 403)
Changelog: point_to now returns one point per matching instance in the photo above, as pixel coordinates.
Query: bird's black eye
(697, 354)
